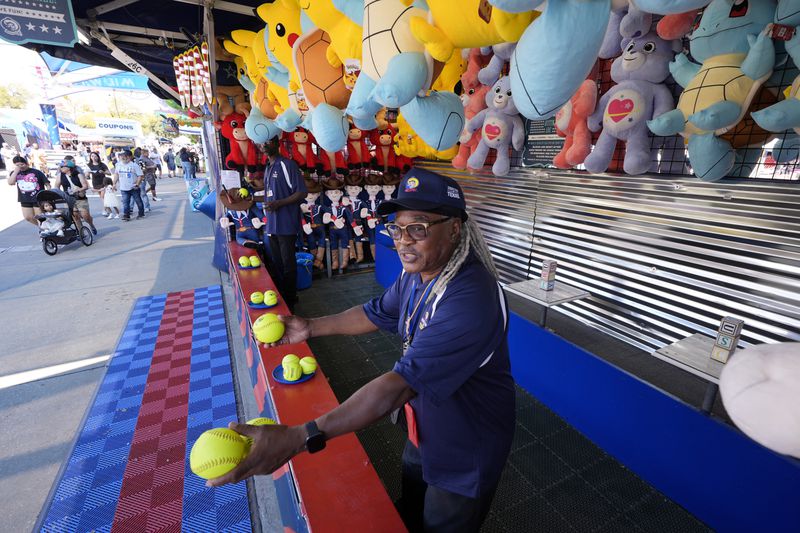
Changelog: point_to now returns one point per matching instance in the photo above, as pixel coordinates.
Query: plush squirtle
(785, 115)
(737, 57)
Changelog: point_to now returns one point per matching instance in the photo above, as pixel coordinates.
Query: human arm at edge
(353, 321)
(275, 445)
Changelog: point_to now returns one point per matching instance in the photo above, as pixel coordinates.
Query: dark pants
(426, 508)
(282, 248)
(136, 195)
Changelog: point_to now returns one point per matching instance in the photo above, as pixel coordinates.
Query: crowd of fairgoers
(80, 170)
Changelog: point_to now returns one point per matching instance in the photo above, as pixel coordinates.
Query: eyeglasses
(417, 231)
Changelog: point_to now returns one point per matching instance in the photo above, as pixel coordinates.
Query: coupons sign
(38, 21)
(117, 127)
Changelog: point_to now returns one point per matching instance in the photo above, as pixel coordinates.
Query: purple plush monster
(639, 96)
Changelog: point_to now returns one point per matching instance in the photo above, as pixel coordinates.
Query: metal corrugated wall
(505, 209)
(663, 257)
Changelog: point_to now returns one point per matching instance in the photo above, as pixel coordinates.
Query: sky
(19, 67)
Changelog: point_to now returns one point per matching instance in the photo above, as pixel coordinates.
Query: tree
(14, 96)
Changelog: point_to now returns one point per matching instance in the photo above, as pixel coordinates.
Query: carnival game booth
(631, 163)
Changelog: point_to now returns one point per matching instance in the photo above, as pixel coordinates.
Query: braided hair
(471, 241)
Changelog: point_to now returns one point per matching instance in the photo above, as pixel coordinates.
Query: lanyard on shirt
(413, 315)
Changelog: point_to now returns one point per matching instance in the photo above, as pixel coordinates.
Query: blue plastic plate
(278, 375)
(260, 306)
(248, 268)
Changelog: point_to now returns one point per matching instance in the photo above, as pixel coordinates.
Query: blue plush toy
(556, 53)
(639, 95)
(500, 126)
(785, 115)
(259, 128)
(395, 73)
(738, 56)
(501, 54)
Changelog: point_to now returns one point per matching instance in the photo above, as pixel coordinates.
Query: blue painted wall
(711, 469)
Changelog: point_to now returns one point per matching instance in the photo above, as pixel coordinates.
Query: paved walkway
(70, 310)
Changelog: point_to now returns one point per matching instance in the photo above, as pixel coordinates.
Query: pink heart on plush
(492, 131)
(619, 109)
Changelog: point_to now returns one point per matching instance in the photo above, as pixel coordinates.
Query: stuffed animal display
(737, 57)
(456, 78)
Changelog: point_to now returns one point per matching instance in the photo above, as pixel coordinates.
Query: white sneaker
(115, 216)
(110, 216)
(147, 210)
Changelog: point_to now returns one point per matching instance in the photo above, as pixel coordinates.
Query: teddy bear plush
(638, 96)
(500, 127)
(474, 99)
(571, 124)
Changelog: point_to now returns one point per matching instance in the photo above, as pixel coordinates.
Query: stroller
(64, 205)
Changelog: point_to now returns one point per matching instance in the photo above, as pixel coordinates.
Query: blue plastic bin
(305, 264)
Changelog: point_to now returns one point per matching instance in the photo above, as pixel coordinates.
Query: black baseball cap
(423, 190)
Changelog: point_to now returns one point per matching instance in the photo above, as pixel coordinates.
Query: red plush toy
(383, 141)
(676, 26)
(243, 150)
(474, 102)
(333, 162)
(302, 153)
(357, 152)
(571, 123)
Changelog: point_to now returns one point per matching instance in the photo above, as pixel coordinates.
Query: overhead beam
(130, 63)
(108, 7)
(223, 5)
(139, 30)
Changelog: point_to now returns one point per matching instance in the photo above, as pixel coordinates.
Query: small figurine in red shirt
(383, 141)
(358, 155)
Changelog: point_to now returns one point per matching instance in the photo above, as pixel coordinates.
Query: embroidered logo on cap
(452, 192)
(412, 184)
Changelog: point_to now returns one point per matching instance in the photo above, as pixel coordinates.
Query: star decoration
(57, 30)
(44, 28)
(30, 26)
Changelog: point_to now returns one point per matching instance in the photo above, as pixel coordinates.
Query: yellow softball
(216, 452)
(268, 328)
(260, 421)
(292, 371)
(308, 364)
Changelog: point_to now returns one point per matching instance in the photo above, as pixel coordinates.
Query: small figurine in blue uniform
(338, 218)
(389, 185)
(374, 198)
(358, 210)
(313, 228)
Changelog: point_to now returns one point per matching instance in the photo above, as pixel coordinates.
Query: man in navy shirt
(453, 382)
(284, 191)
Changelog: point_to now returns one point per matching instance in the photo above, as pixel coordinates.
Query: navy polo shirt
(458, 365)
(283, 179)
